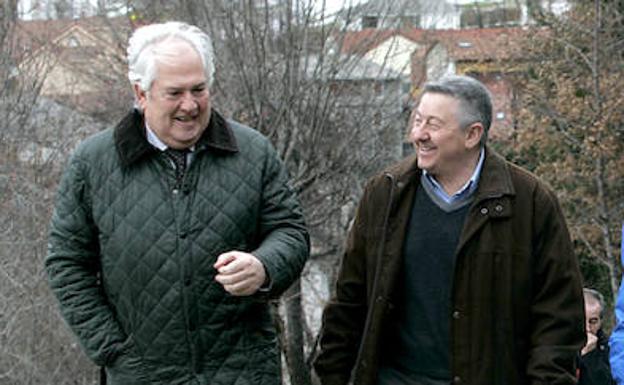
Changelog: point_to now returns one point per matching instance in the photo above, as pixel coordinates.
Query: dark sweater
(418, 349)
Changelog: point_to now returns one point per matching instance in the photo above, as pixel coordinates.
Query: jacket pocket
(127, 367)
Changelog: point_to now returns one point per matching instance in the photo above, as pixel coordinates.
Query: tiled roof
(79, 70)
(360, 69)
(31, 35)
(462, 44)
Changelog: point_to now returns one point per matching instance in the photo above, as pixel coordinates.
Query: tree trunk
(295, 356)
(607, 237)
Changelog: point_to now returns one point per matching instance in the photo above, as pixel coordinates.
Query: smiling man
(177, 105)
(458, 267)
(174, 229)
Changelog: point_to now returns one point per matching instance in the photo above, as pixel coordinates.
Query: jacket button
(498, 208)
(456, 314)
(484, 210)
(457, 380)
(379, 299)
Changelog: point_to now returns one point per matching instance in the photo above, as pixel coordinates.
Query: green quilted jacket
(130, 257)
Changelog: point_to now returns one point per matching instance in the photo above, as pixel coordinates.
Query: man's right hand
(240, 273)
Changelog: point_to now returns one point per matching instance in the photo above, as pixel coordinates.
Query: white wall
(395, 53)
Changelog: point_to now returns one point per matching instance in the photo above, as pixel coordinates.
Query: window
(370, 21)
(72, 42)
(484, 17)
(377, 118)
(378, 87)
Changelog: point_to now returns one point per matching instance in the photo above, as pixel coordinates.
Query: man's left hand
(240, 273)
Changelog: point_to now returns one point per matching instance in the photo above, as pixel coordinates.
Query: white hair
(142, 56)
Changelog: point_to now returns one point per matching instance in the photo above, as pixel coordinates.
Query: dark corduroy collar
(495, 179)
(131, 141)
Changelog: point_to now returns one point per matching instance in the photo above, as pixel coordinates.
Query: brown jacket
(517, 314)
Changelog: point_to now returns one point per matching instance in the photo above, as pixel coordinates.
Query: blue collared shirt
(465, 192)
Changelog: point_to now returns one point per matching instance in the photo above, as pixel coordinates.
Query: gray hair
(474, 98)
(596, 296)
(142, 55)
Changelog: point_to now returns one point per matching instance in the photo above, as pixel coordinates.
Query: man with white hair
(173, 229)
(593, 360)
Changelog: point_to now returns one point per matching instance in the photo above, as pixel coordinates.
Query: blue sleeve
(616, 342)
